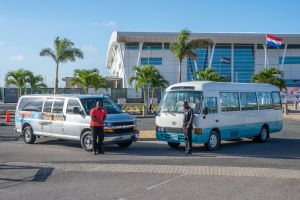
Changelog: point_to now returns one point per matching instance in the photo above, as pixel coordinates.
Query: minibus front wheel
(214, 141)
(173, 144)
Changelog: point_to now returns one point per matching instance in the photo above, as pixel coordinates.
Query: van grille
(124, 130)
(122, 123)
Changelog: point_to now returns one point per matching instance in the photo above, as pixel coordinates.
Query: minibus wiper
(170, 113)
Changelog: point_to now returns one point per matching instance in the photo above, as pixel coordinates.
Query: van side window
(211, 104)
(58, 105)
(72, 104)
(48, 105)
(248, 101)
(264, 100)
(276, 100)
(31, 104)
(229, 101)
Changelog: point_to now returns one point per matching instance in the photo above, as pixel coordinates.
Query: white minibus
(222, 111)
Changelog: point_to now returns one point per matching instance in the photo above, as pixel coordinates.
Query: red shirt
(98, 113)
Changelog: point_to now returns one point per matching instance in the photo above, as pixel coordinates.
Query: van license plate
(174, 137)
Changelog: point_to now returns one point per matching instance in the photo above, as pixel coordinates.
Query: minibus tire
(213, 142)
(173, 144)
(28, 135)
(263, 135)
(124, 145)
(87, 138)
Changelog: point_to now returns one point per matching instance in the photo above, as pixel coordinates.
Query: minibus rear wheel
(28, 135)
(263, 135)
(174, 144)
(213, 142)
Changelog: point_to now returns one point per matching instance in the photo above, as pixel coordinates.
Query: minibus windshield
(90, 103)
(172, 101)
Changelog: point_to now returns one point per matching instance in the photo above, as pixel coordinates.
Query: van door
(57, 116)
(73, 118)
(46, 118)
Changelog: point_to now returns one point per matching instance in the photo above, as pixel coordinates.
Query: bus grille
(173, 130)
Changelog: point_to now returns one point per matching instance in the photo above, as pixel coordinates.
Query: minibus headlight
(160, 129)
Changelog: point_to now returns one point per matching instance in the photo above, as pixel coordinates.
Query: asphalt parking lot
(60, 169)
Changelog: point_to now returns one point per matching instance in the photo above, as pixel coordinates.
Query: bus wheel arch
(214, 140)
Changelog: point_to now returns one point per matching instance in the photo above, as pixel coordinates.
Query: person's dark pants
(98, 137)
(188, 139)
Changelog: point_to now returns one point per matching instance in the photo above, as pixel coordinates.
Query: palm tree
(160, 82)
(208, 75)
(270, 75)
(63, 51)
(36, 82)
(87, 78)
(18, 78)
(182, 48)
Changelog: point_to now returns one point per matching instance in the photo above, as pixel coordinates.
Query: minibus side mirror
(205, 110)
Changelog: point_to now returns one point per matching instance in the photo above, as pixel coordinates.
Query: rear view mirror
(205, 110)
(76, 110)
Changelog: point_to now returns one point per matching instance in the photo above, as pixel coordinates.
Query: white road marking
(167, 181)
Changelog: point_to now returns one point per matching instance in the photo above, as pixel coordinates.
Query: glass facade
(290, 60)
(200, 64)
(152, 46)
(151, 61)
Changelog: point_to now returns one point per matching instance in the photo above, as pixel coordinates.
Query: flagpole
(283, 57)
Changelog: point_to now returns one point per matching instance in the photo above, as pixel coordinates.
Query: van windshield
(172, 101)
(90, 103)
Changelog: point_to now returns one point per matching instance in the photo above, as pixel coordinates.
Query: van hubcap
(88, 142)
(27, 135)
(213, 140)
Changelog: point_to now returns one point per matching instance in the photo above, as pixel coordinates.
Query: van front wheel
(124, 145)
(86, 141)
(28, 135)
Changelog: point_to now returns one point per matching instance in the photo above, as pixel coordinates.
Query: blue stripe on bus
(227, 132)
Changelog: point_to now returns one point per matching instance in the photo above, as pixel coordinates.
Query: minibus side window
(264, 100)
(58, 105)
(248, 101)
(276, 100)
(229, 101)
(211, 104)
(48, 105)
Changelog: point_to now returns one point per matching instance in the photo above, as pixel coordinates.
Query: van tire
(86, 141)
(263, 135)
(124, 145)
(213, 142)
(173, 145)
(28, 135)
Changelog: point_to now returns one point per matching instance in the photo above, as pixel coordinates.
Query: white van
(222, 111)
(67, 117)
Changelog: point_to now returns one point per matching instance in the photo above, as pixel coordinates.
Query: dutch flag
(273, 41)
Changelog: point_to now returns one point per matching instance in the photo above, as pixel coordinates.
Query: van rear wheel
(86, 141)
(28, 135)
(173, 144)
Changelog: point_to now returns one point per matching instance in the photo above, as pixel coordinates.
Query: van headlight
(108, 124)
(160, 129)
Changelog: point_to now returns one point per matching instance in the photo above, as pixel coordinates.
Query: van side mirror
(76, 110)
(205, 110)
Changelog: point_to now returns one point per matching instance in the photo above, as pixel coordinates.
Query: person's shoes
(95, 153)
(188, 153)
(101, 152)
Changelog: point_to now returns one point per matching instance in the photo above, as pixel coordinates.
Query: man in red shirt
(98, 115)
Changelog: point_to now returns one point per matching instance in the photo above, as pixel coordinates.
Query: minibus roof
(222, 86)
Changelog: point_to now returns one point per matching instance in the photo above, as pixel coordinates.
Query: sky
(28, 26)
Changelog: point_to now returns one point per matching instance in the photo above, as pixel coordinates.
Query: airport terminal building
(237, 56)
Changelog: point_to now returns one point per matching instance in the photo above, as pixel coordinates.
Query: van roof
(80, 96)
(222, 86)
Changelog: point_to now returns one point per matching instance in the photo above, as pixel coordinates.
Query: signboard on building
(10, 95)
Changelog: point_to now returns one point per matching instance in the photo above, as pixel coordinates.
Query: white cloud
(90, 49)
(111, 24)
(17, 58)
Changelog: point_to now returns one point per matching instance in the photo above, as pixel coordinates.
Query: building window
(248, 101)
(290, 60)
(166, 46)
(132, 45)
(229, 101)
(151, 61)
(243, 62)
(152, 46)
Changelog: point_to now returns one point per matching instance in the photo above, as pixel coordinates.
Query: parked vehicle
(67, 117)
(222, 111)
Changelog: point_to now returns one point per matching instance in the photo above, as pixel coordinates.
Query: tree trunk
(145, 102)
(179, 72)
(56, 80)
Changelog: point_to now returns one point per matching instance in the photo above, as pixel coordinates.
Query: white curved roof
(225, 86)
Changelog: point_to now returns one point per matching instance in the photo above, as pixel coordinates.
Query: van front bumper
(119, 138)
